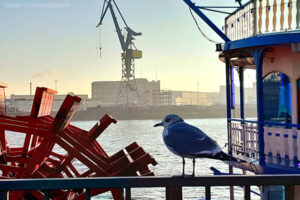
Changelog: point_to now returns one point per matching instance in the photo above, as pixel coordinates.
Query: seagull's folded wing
(186, 140)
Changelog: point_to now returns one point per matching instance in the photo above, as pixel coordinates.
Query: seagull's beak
(159, 124)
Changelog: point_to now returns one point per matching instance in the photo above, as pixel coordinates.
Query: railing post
(241, 78)
(228, 100)
(87, 194)
(207, 193)
(4, 195)
(258, 56)
(128, 193)
(247, 195)
(174, 193)
(289, 192)
(46, 195)
(231, 188)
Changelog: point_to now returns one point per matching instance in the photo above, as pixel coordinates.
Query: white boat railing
(263, 16)
(281, 143)
(244, 139)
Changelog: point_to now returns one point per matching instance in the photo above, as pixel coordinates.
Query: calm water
(119, 135)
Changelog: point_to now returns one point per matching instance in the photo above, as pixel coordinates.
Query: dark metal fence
(173, 185)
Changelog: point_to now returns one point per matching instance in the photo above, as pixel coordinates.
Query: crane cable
(213, 41)
(100, 43)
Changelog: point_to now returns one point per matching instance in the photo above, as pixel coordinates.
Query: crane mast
(128, 87)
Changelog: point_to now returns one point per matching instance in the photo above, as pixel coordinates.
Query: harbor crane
(128, 87)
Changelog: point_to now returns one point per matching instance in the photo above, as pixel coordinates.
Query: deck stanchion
(231, 188)
(46, 195)
(207, 193)
(247, 195)
(258, 56)
(289, 192)
(87, 194)
(228, 97)
(174, 193)
(4, 195)
(128, 193)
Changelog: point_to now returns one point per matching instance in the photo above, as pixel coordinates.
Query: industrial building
(106, 93)
(109, 93)
(23, 103)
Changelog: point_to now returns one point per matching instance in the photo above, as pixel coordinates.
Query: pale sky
(46, 40)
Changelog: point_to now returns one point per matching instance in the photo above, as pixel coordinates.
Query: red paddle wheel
(46, 137)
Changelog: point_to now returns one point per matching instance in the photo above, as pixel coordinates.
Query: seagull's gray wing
(186, 140)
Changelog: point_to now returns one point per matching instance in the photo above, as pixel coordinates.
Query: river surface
(120, 135)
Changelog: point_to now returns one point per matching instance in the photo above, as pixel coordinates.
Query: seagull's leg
(194, 163)
(183, 165)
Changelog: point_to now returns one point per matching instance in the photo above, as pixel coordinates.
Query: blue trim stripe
(264, 40)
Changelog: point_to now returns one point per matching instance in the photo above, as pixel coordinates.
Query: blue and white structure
(263, 35)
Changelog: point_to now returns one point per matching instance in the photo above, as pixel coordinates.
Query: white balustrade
(244, 138)
(241, 24)
(263, 16)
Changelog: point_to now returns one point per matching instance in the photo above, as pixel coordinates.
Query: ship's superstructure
(264, 35)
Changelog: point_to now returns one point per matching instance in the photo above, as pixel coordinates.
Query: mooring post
(174, 193)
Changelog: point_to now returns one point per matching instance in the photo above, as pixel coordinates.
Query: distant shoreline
(148, 113)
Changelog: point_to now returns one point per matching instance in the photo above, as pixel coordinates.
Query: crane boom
(125, 44)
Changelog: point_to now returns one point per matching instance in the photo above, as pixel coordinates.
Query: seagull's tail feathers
(225, 157)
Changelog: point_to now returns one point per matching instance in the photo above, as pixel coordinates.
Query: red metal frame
(38, 157)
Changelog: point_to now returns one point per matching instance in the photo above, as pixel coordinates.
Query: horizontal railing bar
(138, 182)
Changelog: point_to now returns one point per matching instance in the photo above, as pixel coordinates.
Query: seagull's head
(168, 120)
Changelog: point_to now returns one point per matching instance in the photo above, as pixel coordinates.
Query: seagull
(188, 141)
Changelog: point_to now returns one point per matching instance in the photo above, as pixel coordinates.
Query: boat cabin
(264, 35)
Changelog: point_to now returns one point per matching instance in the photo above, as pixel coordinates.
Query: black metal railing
(173, 185)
